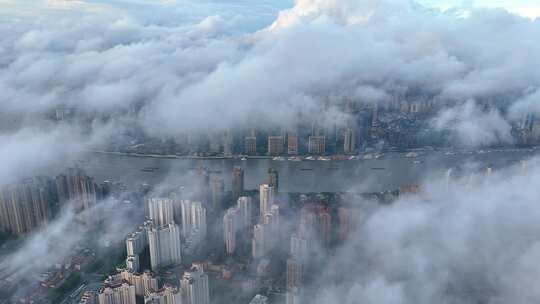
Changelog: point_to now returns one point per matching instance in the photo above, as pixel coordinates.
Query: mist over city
(269, 151)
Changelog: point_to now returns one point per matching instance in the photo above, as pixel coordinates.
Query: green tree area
(57, 294)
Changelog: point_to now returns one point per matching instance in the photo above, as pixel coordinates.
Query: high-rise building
(299, 247)
(237, 182)
(258, 248)
(244, 206)
(250, 145)
(165, 247)
(349, 219)
(315, 224)
(117, 292)
(275, 145)
(317, 145)
(266, 194)
(230, 228)
(294, 273)
(161, 211)
(217, 188)
(273, 179)
(167, 295)
(292, 143)
(138, 240)
(349, 141)
(228, 143)
(193, 219)
(194, 285)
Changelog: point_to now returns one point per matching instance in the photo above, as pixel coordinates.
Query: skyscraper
(230, 228)
(299, 247)
(294, 273)
(193, 219)
(161, 211)
(315, 224)
(194, 285)
(138, 240)
(244, 206)
(317, 145)
(258, 248)
(349, 219)
(165, 247)
(273, 179)
(250, 145)
(275, 145)
(349, 141)
(237, 182)
(266, 194)
(217, 188)
(292, 143)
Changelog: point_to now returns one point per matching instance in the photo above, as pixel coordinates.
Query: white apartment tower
(194, 285)
(165, 247)
(266, 194)
(161, 211)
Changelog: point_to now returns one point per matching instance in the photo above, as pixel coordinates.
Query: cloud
(473, 126)
(465, 242)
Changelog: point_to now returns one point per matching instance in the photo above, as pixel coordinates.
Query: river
(364, 175)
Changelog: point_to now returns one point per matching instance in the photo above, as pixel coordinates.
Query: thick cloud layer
(174, 77)
(473, 240)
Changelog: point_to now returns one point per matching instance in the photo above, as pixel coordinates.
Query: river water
(365, 175)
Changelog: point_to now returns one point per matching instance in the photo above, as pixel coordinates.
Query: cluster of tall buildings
(313, 236)
(32, 203)
(125, 287)
(317, 142)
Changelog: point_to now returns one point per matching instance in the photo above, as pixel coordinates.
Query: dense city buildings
(27, 205)
(32, 203)
(144, 282)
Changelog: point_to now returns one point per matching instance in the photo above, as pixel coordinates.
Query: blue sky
(252, 13)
